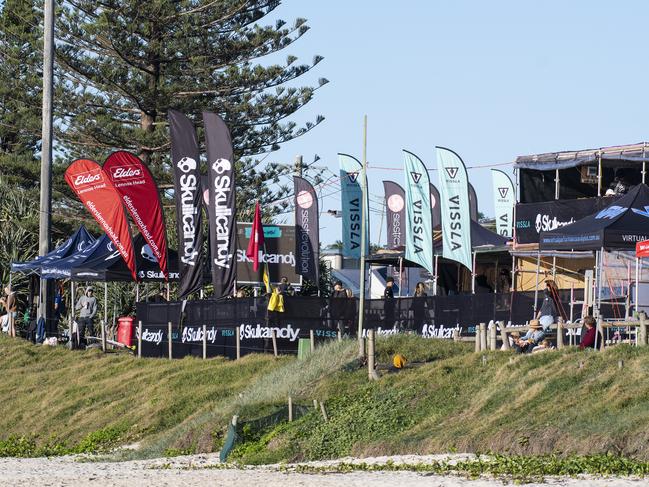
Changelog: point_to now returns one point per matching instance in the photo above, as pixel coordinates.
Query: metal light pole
(45, 220)
(361, 304)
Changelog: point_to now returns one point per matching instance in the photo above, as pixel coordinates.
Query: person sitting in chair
(533, 337)
(592, 338)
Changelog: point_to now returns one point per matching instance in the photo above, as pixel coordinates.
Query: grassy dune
(545, 403)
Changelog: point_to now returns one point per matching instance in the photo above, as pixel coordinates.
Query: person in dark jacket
(338, 306)
(591, 335)
(418, 306)
(388, 305)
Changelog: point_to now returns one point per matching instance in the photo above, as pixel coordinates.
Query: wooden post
(315, 404)
(600, 330)
(560, 334)
(204, 342)
(238, 339)
(642, 337)
(483, 336)
(456, 336)
(139, 339)
(290, 409)
(370, 353)
(492, 333)
(169, 340)
(484, 360)
(477, 338)
(340, 336)
(503, 335)
(103, 336)
(620, 364)
(274, 336)
(312, 339)
(324, 411)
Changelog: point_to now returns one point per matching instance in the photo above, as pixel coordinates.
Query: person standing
(59, 305)
(388, 305)
(418, 307)
(337, 306)
(87, 307)
(285, 287)
(8, 321)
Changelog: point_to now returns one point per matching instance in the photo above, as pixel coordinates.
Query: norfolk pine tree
(128, 62)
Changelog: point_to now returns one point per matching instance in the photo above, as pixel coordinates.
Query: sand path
(191, 470)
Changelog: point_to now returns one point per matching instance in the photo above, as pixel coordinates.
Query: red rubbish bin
(125, 330)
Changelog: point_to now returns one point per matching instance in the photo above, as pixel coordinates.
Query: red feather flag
(256, 243)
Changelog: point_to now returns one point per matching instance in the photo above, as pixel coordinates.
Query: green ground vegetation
(450, 400)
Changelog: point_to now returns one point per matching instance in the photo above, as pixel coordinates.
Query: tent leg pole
(400, 274)
(71, 317)
(635, 291)
(435, 276)
(536, 288)
(106, 303)
(572, 299)
(168, 292)
(600, 280)
(473, 275)
(137, 292)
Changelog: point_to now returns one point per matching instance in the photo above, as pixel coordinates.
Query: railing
(487, 337)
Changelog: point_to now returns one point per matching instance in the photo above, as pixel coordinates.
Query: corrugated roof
(562, 160)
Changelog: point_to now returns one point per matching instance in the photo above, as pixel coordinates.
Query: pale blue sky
(491, 80)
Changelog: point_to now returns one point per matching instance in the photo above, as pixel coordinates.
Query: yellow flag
(266, 277)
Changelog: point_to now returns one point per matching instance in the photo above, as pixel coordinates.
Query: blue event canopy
(102, 248)
(110, 267)
(76, 243)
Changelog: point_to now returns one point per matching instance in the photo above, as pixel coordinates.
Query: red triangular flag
(256, 243)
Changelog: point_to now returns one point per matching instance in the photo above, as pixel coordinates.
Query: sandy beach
(195, 470)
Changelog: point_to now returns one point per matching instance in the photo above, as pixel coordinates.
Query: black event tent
(111, 267)
(482, 239)
(617, 227)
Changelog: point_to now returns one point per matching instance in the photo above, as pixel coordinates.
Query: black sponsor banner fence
(431, 317)
(534, 218)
